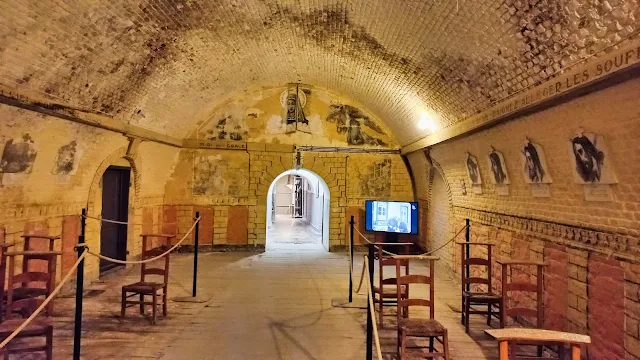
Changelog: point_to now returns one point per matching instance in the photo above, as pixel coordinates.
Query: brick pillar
(556, 287)
(606, 308)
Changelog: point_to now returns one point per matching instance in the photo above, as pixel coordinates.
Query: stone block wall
(590, 247)
(239, 215)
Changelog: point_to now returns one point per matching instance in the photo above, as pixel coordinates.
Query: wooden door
(115, 206)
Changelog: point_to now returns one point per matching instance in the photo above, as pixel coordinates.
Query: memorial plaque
(540, 190)
(502, 190)
(598, 192)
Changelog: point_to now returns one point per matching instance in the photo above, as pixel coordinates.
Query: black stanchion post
(369, 318)
(352, 222)
(77, 329)
(195, 256)
(467, 237)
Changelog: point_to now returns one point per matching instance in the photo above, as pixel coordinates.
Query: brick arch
(437, 169)
(93, 226)
(265, 167)
(326, 210)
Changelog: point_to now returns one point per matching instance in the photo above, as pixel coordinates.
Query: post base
(190, 299)
(359, 302)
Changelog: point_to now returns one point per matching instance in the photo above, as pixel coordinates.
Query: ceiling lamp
(427, 122)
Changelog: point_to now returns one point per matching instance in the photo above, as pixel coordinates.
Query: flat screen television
(399, 217)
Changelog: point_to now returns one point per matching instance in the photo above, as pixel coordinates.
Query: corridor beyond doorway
(298, 212)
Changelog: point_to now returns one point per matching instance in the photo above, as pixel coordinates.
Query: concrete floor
(275, 305)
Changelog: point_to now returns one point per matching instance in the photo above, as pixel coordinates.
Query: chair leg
(501, 312)
(403, 344)
(489, 313)
(123, 305)
(467, 308)
(431, 348)
(155, 308)
(445, 339)
(561, 352)
(462, 311)
(381, 312)
(142, 304)
(49, 343)
(164, 302)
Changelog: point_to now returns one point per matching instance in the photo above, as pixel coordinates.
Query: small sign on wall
(598, 192)
(540, 190)
(502, 190)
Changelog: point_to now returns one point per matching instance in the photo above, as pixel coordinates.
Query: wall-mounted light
(427, 122)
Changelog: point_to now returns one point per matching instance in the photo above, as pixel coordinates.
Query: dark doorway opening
(115, 206)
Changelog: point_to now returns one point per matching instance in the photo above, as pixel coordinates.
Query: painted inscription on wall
(599, 68)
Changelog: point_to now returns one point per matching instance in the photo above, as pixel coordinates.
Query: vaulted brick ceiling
(165, 64)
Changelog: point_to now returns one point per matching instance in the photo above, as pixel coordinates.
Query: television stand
(391, 237)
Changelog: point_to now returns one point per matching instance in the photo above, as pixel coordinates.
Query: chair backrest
(388, 261)
(468, 261)
(152, 268)
(406, 280)
(511, 286)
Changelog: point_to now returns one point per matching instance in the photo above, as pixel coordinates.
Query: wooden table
(538, 337)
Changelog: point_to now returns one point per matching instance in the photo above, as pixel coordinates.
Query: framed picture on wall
(498, 168)
(589, 157)
(473, 170)
(535, 168)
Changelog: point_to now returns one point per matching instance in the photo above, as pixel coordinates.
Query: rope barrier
(121, 222)
(424, 254)
(44, 303)
(376, 336)
(392, 254)
(123, 262)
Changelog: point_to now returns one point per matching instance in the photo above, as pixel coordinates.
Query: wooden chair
(386, 293)
(3, 274)
(473, 297)
(145, 287)
(33, 284)
(508, 337)
(38, 328)
(419, 327)
(509, 286)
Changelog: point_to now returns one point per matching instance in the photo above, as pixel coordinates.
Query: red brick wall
(606, 308)
(206, 224)
(556, 287)
(69, 237)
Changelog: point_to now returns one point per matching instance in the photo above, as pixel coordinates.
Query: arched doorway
(298, 212)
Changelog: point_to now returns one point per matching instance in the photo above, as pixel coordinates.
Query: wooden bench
(538, 337)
